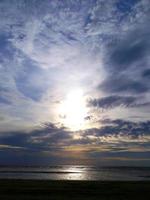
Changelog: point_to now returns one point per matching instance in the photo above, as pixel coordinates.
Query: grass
(73, 190)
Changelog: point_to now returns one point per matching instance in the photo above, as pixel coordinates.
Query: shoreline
(18, 189)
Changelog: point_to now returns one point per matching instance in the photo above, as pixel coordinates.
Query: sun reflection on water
(75, 173)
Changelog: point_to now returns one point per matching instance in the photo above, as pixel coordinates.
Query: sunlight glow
(73, 110)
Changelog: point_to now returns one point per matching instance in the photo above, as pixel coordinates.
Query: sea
(76, 172)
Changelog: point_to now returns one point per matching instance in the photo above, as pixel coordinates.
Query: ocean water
(76, 172)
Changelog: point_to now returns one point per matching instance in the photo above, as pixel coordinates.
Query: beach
(73, 190)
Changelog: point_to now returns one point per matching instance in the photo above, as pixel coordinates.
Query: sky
(74, 82)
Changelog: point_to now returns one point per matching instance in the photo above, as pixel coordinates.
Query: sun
(73, 110)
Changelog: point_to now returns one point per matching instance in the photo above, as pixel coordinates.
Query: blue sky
(74, 82)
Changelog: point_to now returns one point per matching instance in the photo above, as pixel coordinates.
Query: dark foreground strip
(73, 190)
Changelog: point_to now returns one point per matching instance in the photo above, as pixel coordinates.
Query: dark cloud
(31, 81)
(39, 146)
(146, 73)
(120, 127)
(7, 50)
(127, 63)
(112, 101)
(95, 141)
(15, 139)
(89, 117)
(123, 84)
(129, 52)
(40, 139)
(51, 136)
(4, 100)
(126, 6)
(131, 49)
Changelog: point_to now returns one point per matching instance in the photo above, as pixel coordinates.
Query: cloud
(5, 101)
(39, 139)
(119, 126)
(126, 56)
(123, 84)
(52, 137)
(130, 50)
(9, 147)
(49, 142)
(112, 102)
(50, 48)
(43, 57)
(31, 81)
(126, 6)
(146, 73)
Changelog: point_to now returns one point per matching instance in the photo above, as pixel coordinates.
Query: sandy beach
(73, 190)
